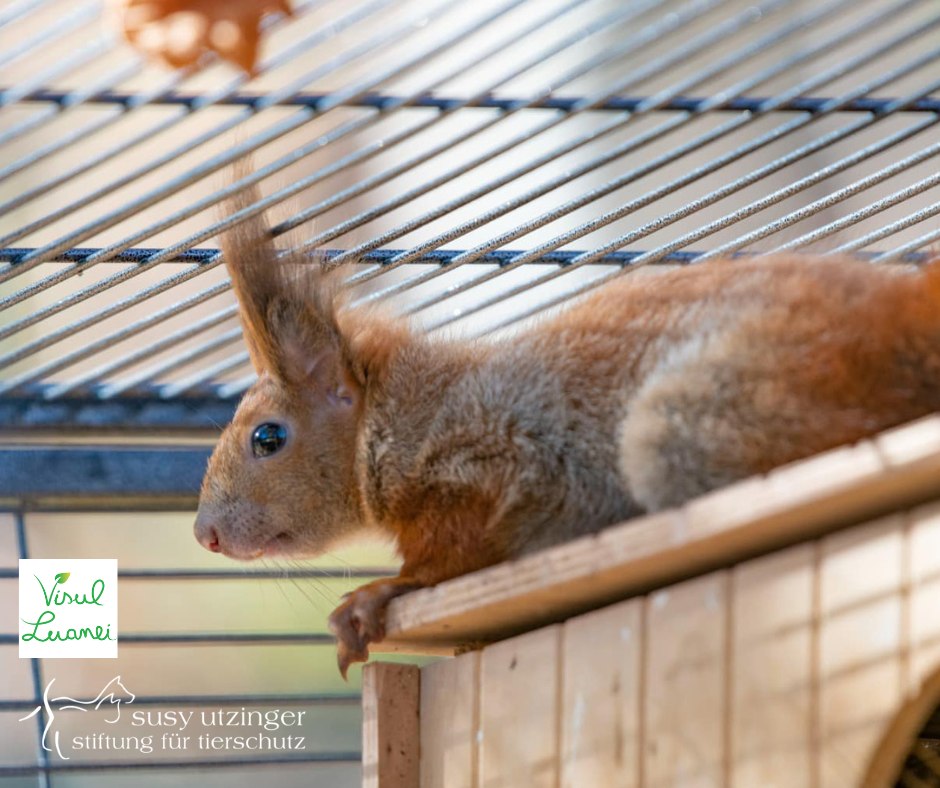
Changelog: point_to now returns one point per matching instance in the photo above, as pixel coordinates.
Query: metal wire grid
(45, 767)
(426, 141)
(477, 164)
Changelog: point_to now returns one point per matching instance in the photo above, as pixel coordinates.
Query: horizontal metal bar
(37, 373)
(78, 99)
(382, 101)
(74, 136)
(142, 414)
(909, 254)
(78, 473)
(13, 255)
(59, 68)
(313, 699)
(323, 758)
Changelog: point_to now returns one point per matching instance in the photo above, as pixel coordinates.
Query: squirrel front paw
(360, 620)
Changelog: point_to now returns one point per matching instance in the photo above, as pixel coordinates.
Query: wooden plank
(600, 719)
(390, 730)
(519, 708)
(772, 646)
(925, 634)
(925, 544)
(450, 691)
(793, 504)
(861, 670)
(686, 670)
(925, 595)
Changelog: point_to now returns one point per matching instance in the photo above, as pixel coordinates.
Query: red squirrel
(649, 392)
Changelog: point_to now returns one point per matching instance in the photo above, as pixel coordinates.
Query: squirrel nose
(207, 535)
(212, 542)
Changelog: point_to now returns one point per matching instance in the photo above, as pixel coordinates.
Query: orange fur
(651, 391)
(179, 32)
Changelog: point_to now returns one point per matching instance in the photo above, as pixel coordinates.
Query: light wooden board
(861, 643)
(800, 668)
(924, 615)
(772, 669)
(390, 733)
(796, 669)
(686, 685)
(920, 648)
(793, 504)
(519, 711)
(450, 693)
(601, 739)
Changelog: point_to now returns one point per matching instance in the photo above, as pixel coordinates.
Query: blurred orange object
(178, 32)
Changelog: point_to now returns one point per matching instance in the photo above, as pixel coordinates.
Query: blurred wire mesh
(477, 161)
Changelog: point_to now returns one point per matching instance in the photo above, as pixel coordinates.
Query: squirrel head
(282, 478)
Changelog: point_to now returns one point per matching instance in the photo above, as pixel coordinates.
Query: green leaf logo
(62, 577)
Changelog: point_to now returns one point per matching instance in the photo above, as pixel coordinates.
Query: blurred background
(476, 164)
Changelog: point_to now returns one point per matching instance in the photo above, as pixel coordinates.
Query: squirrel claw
(345, 656)
(360, 620)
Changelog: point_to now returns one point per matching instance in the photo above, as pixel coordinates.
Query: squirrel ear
(319, 371)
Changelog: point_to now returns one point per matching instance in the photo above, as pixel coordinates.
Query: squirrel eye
(267, 439)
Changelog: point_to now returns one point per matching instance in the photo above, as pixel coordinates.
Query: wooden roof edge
(893, 472)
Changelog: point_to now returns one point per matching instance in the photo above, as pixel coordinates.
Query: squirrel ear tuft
(287, 305)
(251, 260)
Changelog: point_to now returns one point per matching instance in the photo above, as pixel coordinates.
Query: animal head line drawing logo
(113, 693)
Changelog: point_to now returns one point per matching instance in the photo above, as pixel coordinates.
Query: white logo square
(68, 607)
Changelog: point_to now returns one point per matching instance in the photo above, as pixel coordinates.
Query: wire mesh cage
(476, 164)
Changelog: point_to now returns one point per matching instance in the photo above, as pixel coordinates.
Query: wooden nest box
(784, 631)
